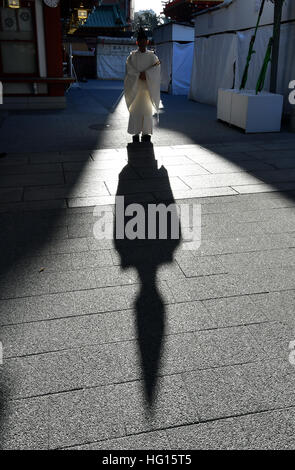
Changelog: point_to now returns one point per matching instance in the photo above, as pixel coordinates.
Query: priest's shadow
(146, 254)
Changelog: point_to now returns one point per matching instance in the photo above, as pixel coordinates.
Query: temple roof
(105, 16)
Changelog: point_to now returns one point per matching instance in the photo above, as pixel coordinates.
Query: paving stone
(221, 392)
(93, 174)
(227, 346)
(36, 308)
(199, 266)
(48, 306)
(12, 340)
(175, 160)
(141, 253)
(283, 161)
(106, 154)
(12, 311)
(119, 325)
(83, 189)
(230, 228)
(279, 279)
(24, 424)
(230, 167)
(181, 353)
(282, 379)
(224, 179)
(245, 244)
(277, 306)
(219, 285)
(114, 275)
(53, 335)
(241, 389)
(172, 405)
(273, 176)
(69, 246)
(264, 188)
(81, 231)
(31, 179)
(100, 300)
(14, 159)
(236, 262)
(45, 283)
(85, 416)
(242, 146)
(18, 169)
(110, 363)
(196, 289)
(278, 146)
(51, 263)
(189, 316)
(180, 318)
(90, 201)
(273, 338)
(194, 193)
(275, 380)
(121, 362)
(41, 374)
(94, 244)
(146, 185)
(276, 226)
(43, 193)
(33, 206)
(235, 311)
(244, 432)
(90, 189)
(51, 157)
(95, 259)
(243, 203)
(174, 170)
(11, 195)
(132, 292)
(169, 271)
(238, 215)
(146, 441)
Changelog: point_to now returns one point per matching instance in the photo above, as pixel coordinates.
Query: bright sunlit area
(155, 5)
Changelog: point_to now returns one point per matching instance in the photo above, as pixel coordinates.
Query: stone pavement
(145, 345)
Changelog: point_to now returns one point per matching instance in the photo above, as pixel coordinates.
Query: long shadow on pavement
(146, 256)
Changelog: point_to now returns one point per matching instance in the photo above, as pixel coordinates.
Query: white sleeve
(130, 82)
(153, 77)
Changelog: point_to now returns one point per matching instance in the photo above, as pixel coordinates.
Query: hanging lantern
(13, 4)
(82, 13)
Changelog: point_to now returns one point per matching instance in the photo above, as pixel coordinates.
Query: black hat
(141, 34)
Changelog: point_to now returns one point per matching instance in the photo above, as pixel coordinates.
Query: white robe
(142, 96)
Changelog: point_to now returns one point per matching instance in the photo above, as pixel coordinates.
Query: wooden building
(31, 56)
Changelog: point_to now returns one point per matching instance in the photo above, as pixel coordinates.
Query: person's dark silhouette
(146, 256)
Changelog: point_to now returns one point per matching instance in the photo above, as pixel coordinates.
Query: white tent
(222, 38)
(175, 48)
(111, 54)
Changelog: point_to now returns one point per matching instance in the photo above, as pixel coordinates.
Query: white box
(251, 112)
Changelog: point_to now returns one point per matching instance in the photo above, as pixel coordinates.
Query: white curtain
(213, 67)
(214, 60)
(111, 67)
(182, 67)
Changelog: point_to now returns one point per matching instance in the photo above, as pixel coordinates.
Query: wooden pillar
(53, 46)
